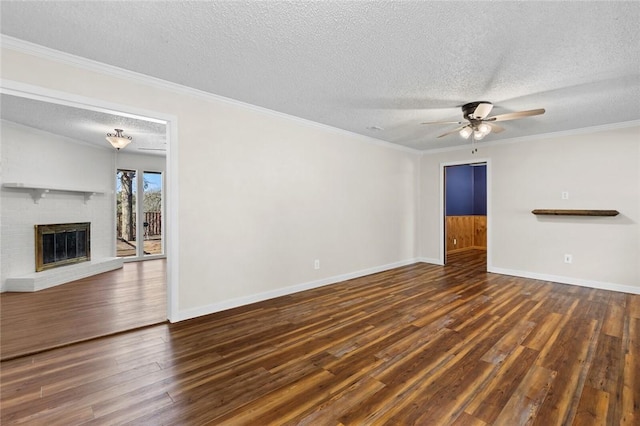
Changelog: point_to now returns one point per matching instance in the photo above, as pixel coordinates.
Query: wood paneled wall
(466, 232)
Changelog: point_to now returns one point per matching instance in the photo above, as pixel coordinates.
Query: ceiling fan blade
(452, 131)
(442, 122)
(516, 115)
(495, 128)
(482, 110)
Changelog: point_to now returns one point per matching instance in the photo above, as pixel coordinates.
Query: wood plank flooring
(100, 305)
(421, 344)
(472, 260)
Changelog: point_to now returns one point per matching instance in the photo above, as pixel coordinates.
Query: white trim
(26, 47)
(418, 209)
(170, 226)
(139, 214)
(95, 66)
(489, 214)
(568, 280)
(38, 93)
(259, 297)
(63, 98)
(562, 133)
(431, 260)
(489, 210)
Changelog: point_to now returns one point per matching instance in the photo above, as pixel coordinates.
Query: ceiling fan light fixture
(479, 124)
(118, 140)
(481, 131)
(484, 128)
(477, 135)
(466, 132)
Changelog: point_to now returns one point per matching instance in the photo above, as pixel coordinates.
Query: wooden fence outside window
(153, 221)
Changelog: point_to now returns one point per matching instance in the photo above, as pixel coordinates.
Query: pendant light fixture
(118, 140)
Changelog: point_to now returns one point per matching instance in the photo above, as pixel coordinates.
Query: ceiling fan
(479, 124)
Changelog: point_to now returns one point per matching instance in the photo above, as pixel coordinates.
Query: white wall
(261, 195)
(599, 169)
(34, 157)
(266, 196)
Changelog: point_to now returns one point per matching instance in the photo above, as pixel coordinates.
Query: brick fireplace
(62, 244)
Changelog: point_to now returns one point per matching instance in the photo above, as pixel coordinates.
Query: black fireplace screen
(62, 244)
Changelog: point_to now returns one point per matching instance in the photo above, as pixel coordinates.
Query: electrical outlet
(565, 195)
(568, 258)
(316, 264)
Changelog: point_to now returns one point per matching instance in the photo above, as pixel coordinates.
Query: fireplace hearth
(62, 244)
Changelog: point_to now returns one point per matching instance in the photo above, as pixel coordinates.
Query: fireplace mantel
(39, 191)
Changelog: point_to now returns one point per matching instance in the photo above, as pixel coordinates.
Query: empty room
(320, 213)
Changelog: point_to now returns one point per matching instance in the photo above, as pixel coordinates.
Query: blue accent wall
(466, 190)
(480, 190)
(459, 192)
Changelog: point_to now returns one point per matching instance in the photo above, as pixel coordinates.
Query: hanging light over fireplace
(118, 140)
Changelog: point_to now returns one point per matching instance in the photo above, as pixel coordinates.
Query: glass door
(126, 194)
(152, 221)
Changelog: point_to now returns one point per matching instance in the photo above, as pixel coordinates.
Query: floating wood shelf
(39, 191)
(553, 212)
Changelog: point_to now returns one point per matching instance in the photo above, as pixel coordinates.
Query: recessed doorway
(137, 277)
(465, 214)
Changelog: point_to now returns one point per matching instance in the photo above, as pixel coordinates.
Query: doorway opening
(464, 217)
(163, 272)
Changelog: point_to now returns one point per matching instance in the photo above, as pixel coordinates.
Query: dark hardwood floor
(115, 301)
(472, 260)
(421, 344)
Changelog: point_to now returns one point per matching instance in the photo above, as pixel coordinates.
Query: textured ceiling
(84, 125)
(362, 64)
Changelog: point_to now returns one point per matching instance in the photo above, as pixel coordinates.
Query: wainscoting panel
(466, 232)
(480, 232)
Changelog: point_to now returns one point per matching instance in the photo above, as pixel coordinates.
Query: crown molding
(40, 51)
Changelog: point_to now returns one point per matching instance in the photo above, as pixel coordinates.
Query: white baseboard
(431, 260)
(567, 280)
(241, 301)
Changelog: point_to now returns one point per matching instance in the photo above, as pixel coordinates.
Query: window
(152, 206)
(126, 194)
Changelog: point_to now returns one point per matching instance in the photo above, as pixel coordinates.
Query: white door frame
(442, 216)
(16, 88)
